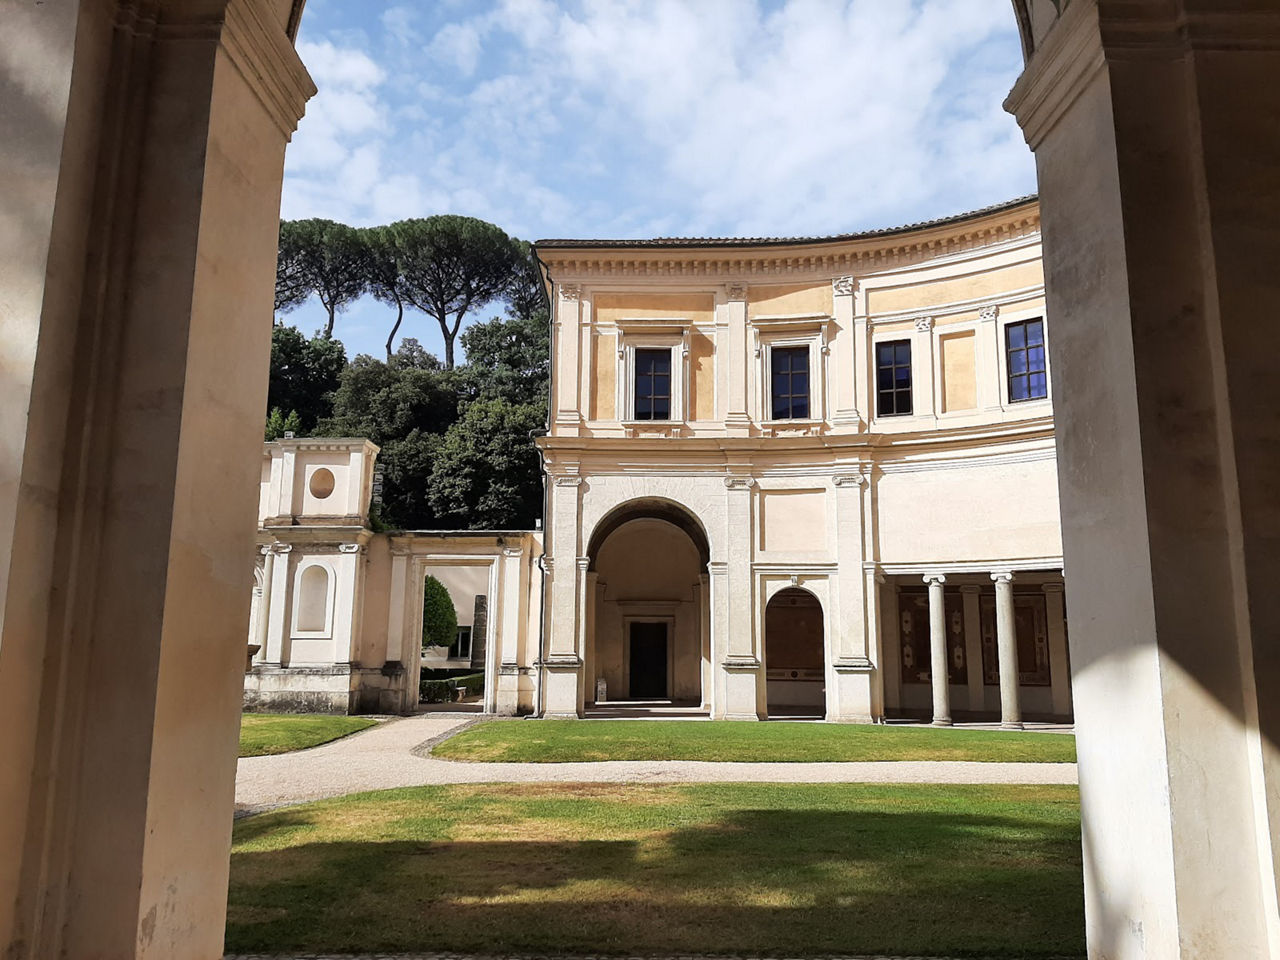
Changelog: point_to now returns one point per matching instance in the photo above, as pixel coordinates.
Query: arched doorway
(793, 655)
(647, 609)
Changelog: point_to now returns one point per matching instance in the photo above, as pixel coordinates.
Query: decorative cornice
(924, 324)
(843, 286)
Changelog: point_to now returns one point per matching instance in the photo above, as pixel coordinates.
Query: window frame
(894, 340)
(331, 593)
(638, 335)
(1006, 350)
(771, 395)
(784, 332)
(470, 629)
(638, 353)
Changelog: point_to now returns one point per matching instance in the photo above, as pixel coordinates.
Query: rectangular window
(461, 648)
(789, 377)
(893, 378)
(1024, 347)
(653, 385)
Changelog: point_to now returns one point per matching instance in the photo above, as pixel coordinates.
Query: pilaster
(737, 418)
(843, 291)
(852, 666)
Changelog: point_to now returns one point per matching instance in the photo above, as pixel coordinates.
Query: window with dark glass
(1024, 345)
(789, 376)
(893, 378)
(461, 646)
(653, 385)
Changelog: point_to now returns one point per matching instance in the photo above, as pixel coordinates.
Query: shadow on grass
(765, 882)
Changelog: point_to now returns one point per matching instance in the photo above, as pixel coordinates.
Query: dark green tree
(304, 375)
(450, 265)
(322, 257)
(439, 619)
(278, 424)
(404, 407)
(386, 283)
(486, 473)
(508, 358)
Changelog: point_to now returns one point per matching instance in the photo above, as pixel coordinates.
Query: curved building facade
(805, 476)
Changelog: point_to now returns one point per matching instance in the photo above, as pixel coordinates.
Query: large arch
(1162, 226)
(648, 611)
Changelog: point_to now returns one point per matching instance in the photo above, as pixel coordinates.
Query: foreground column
(938, 652)
(1007, 653)
(140, 176)
(1156, 150)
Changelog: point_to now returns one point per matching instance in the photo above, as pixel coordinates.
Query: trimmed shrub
(431, 690)
(439, 621)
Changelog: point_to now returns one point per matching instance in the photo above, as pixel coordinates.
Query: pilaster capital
(350, 548)
(718, 568)
(735, 291)
(1053, 587)
(933, 579)
(1002, 576)
(739, 483)
(924, 324)
(570, 481)
(571, 291)
(989, 312)
(548, 564)
(844, 286)
(281, 548)
(583, 563)
(512, 551)
(970, 588)
(849, 479)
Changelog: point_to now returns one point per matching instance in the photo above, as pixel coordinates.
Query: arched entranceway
(647, 609)
(793, 655)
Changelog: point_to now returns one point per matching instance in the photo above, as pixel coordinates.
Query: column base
(561, 685)
(942, 722)
(741, 688)
(1012, 726)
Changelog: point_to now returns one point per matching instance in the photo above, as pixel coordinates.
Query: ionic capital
(935, 578)
(735, 291)
(844, 286)
(570, 481)
(924, 324)
(1002, 576)
(570, 291)
(849, 479)
(991, 312)
(739, 483)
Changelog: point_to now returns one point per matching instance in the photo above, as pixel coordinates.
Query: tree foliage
(323, 257)
(278, 424)
(439, 620)
(508, 358)
(486, 473)
(304, 374)
(450, 265)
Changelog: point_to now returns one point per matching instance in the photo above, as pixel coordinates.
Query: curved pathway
(396, 754)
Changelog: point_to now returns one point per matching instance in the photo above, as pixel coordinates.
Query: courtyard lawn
(264, 733)
(746, 869)
(561, 741)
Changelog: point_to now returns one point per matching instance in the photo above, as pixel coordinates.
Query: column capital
(990, 312)
(583, 564)
(1002, 576)
(281, 548)
(735, 291)
(924, 324)
(844, 286)
(739, 483)
(571, 291)
(1053, 587)
(934, 578)
(849, 479)
(569, 481)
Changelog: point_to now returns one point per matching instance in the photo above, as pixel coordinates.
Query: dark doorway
(648, 661)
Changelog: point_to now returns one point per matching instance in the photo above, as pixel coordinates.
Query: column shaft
(1007, 652)
(938, 652)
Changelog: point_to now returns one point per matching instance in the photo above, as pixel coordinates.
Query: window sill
(792, 428)
(653, 428)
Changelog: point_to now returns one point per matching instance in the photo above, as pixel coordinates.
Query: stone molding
(844, 286)
(853, 665)
(583, 563)
(740, 663)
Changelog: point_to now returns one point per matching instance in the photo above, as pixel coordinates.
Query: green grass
(747, 869)
(264, 733)
(561, 741)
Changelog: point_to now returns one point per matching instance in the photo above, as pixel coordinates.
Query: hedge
(443, 691)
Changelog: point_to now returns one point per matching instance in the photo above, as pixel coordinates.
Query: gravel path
(396, 754)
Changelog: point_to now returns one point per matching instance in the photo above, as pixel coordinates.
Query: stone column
(562, 660)
(737, 419)
(938, 651)
(568, 416)
(263, 626)
(852, 664)
(846, 376)
(1007, 652)
(1156, 149)
(513, 614)
(140, 173)
(1059, 666)
(971, 593)
(744, 683)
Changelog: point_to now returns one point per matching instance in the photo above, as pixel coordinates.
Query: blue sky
(634, 118)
